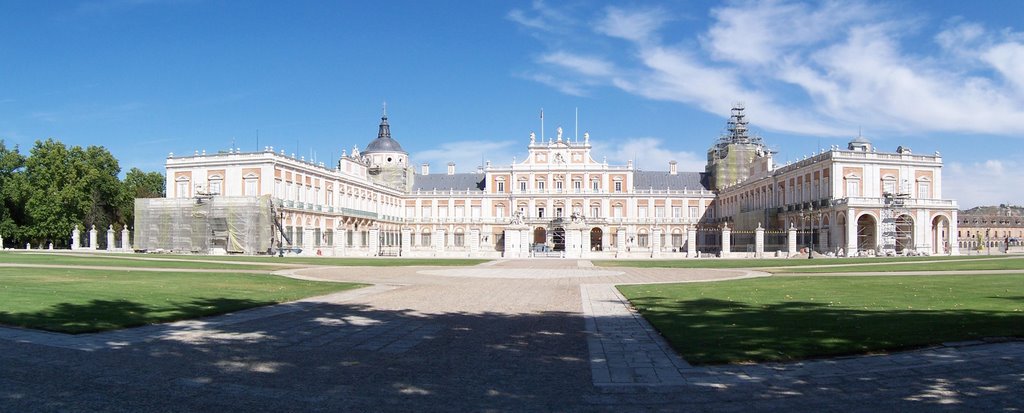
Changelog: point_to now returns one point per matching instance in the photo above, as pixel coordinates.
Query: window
(215, 185)
(677, 240)
(693, 212)
(677, 212)
(852, 187)
(577, 186)
(659, 212)
(642, 212)
(250, 187)
(501, 186)
(442, 211)
(540, 212)
(595, 185)
(459, 239)
(924, 189)
(425, 212)
(888, 186)
(642, 239)
(540, 185)
(499, 211)
(474, 212)
(618, 186)
(460, 211)
(558, 212)
(558, 186)
(522, 186)
(182, 188)
(595, 212)
(277, 189)
(617, 211)
(425, 239)
(410, 212)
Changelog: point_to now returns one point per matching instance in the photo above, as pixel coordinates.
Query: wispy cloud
(990, 182)
(845, 65)
(647, 152)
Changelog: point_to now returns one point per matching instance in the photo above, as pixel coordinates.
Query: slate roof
(663, 180)
(444, 182)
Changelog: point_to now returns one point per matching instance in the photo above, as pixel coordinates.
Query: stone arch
(596, 238)
(941, 234)
(867, 232)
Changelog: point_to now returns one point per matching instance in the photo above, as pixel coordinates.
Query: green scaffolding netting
(202, 225)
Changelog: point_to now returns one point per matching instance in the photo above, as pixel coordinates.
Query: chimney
(451, 168)
(672, 168)
(425, 169)
(629, 164)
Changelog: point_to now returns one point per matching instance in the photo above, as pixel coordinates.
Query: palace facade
(560, 201)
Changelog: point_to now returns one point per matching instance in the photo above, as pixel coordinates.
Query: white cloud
(648, 154)
(634, 25)
(807, 68)
(467, 155)
(992, 182)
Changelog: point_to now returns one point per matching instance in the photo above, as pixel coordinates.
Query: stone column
(851, 234)
(791, 240)
(524, 242)
(620, 241)
(726, 241)
(691, 242)
(474, 241)
(585, 242)
(406, 241)
(759, 241)
(374, 241)
(76, 238)
(125, 240)
(954, 244)
(110, 238)
(92, 238)
(656, 242)
(511, 240)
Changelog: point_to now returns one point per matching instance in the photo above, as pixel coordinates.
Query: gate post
(656, 242)
(92, 238)
(76, 238)
(726, 240)
(620, 241)
(691, 242)
(791, 240)
(759, 241)
(406, 242)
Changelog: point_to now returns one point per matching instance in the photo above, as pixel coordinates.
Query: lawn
(792, 318)
(81, 301)
(768, 262)
(211, 262)
(1015, 263)
(130, 261)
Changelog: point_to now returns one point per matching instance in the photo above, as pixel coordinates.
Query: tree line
(44, 194)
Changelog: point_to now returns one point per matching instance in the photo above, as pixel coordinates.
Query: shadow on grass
(102, 315)
(709, 331)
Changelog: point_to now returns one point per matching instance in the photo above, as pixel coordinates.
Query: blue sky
(465, 80)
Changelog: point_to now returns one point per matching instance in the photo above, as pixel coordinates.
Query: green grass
(129, 261)
(792, 318)
(974, 264)
(217, 262)
(767, 262)
(80, 301)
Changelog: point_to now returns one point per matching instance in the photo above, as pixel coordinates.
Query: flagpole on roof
(542, 125)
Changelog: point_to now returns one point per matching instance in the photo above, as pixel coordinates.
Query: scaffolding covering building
(238, 225)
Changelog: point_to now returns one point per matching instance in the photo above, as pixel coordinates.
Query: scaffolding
(897, 232)
(205, 224)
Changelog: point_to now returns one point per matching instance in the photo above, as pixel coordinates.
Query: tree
(12, 192)
(138, 184)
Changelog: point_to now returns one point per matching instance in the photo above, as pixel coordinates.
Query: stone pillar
(474, 241)
(791, 240)
(48, 246)
(76, 238)
(759, 241)
(406, 241)
(691, 242)
(438, 240)
(726, 240)
(524, 242)
(656, 242)
(851, 234)
(110, 238)
(511, 243)
(1, 242)
(125, 241)
(620, 241)
(92, 238)
(374, 241)
(585, 241)
(574, 247)
(308, 241)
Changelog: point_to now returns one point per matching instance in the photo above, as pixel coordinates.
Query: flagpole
(576, 133)
(542, 125)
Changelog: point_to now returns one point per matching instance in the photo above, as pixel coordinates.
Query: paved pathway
(530, 335)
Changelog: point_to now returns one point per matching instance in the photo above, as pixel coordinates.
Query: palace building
(558, 201)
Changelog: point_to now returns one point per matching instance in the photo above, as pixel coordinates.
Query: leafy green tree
(12, 192)
(56, 199)
(139, 184)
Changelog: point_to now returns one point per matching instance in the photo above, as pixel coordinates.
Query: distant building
(561, 201)
(991, 227)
